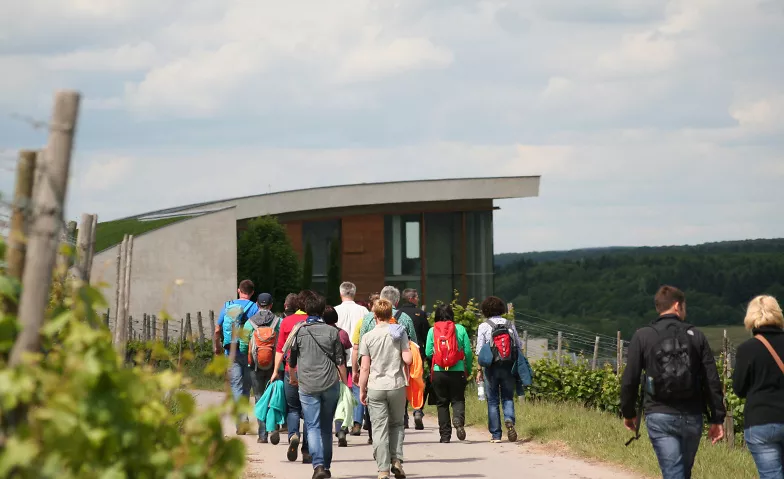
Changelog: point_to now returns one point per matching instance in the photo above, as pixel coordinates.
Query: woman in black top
(759, 377)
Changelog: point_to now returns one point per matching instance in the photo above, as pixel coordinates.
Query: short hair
(492, 307)
(382, 309)
(444, 312)
(246, 287)
(666, 297)
(292, 302)
(312, 303)
(348, 290)
(330, 315)
(763, 311)
(372, 298)
(391, 294)
(409, 294)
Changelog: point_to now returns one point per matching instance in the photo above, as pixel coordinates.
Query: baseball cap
(265, 299)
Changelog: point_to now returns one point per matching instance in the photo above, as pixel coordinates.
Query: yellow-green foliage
(74, 410)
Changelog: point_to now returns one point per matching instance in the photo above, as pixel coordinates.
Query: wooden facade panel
(363, 253)
(294, 232)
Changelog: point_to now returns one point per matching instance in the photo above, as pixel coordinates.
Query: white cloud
(764, 115)
(376, 59)
(104, 173)
(124, 58)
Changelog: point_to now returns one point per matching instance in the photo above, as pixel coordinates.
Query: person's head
(330, 315)
(391, 294)
(763, 311)
(670, 300)
(291, 303)
(245, 290)
(410, 295)
(492, 307)
(348, 291)
(444, 313)
(372, 298)
(382, 310)
(312, 303)
(264, 301)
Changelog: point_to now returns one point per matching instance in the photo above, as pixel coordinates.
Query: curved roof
(418, 191)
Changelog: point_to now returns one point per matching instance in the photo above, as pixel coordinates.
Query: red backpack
(502, 344)
(446, 352)
(262, 346)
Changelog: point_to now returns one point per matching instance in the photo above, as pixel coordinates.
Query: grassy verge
(110, 233)
(598, 435)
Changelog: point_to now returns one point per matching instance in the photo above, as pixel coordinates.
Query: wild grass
(110, 233)
(601, 436)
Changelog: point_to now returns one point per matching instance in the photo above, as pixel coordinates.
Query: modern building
(433, 235)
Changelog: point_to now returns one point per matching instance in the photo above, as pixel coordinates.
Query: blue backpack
(233, 314)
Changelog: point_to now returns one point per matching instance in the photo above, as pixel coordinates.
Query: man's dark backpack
(672, 373)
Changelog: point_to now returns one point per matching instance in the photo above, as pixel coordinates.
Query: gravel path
(425, 457)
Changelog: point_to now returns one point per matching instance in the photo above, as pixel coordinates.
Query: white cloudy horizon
(651, 123)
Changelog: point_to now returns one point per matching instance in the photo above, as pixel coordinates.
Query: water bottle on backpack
(481, 390)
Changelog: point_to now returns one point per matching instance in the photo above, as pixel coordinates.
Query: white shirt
(484, 333)
(349, 314)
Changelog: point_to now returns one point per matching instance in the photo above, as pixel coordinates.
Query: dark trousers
(294, 414)
(259, 380)
(449, 387)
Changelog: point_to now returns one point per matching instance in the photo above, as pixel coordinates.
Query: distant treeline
(609, 289)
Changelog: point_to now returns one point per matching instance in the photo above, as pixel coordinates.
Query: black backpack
(672, 373)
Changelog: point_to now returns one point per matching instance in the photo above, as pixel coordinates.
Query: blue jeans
(319, 411)
(766, 444)
(294, 411)
(359, 410)
(240, 381)
(500, 388)
(675, 439)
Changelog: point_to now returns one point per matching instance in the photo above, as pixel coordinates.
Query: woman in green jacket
(449, 385)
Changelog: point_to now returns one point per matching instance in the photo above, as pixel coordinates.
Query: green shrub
(74, 410)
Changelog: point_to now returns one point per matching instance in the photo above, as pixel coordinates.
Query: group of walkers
(671, 370)
(378, 355)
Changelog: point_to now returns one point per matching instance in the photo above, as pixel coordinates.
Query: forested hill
(608, 289)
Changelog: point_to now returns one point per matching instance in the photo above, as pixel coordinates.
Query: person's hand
(631, 424)
(355, 379)
(363, 396)
(716, 433)
(274, 377)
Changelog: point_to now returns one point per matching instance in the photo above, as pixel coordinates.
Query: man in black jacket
(411, 307)
(680, 383)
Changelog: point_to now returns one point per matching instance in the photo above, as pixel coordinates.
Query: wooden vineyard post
(525, 343)
(595, 361)
(560, 345)
(166, 332)
(154, 328)
(179, 347)
(200, 324)
(189, 331)
(729, 422)
(618, 353)
(83, 247)
(16, 247)
(45, 227)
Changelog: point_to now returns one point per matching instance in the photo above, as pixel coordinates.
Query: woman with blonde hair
(385, 357)
(759, 377)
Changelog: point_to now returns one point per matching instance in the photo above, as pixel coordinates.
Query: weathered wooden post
(83, 247)
(166, 331)
(560, 344)
(618, 353)
(201, 327)
(525, 343)
(45, 227)
(595, 360)
(154, 328)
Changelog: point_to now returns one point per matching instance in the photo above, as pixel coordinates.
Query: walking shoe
(461, 434)
(342, 442)
(370, 441)
(405, 422)
(397, 469)
(356, 430)
(445, 440)
(320, 473)
(306, 458)
(329, 474)
(383, 475)
(262, 440)
(511, 433)
(275, 437)
(291, 455)
(418, 425)
(495, 441)
(243, 428)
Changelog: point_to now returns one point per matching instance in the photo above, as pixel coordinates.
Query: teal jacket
(271, 408)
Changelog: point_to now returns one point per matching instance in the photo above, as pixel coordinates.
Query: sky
(651, 122)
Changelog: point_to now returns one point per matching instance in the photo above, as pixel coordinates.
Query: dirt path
(426, 458)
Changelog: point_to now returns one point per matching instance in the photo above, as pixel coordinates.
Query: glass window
(320, 235)
(479, 253)
(443, 256)
(402, 249)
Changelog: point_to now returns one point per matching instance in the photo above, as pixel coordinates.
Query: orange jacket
(415, 391)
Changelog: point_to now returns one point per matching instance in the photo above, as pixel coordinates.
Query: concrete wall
(200, 251)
